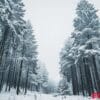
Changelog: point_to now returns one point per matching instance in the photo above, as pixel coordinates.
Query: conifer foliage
(80, 58)
(18, 48)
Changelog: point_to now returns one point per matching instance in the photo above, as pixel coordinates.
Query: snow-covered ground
(37, 96)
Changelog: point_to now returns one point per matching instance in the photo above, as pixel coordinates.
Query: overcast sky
(52, 22)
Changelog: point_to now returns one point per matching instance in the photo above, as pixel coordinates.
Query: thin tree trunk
(82, 83)
(73, 81)
(26, 80)
(88, 77)
(8, 76)
(19, 77)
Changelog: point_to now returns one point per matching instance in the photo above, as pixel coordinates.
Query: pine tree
(18, 49)
(87, 40)
(82, 56)
(30, 54)
(42, 76)
(66, 61)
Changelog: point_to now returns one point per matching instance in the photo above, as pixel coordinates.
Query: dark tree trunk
(1, 81)
(88, 77)
(26, 80)
(19, 77)
(82, 81)
(74, 83)
(8, 76)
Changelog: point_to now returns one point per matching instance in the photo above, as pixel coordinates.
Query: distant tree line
(80, 57)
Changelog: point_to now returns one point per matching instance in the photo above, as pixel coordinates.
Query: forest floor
(37, 96)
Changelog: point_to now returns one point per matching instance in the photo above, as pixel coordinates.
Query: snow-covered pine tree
(30, 55)
(7, 33)
(83, 56)
(64, 87)
(42, 76)
(17, 13)
(15, 48)
(67, 62)
(86, 39)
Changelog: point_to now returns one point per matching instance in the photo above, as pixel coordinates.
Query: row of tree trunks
(85, 78)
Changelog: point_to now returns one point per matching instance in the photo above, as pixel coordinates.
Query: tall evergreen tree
(18, 49)
(84, 52)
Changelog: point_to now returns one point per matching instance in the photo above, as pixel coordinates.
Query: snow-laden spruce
(80, 59)
(18, 51)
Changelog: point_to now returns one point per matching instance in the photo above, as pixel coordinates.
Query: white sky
(52, 22)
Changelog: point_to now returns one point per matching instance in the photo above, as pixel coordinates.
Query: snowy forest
(21, 69)
(19, 66)
(80, 57)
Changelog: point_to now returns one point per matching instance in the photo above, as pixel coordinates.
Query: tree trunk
(26, 80)
(73, 80)
(96, 74)
(19, 77)
(82, 81)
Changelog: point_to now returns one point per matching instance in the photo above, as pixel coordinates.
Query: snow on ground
(37, 96)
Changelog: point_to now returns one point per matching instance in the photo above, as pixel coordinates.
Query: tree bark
(26, 80)
(19, 77)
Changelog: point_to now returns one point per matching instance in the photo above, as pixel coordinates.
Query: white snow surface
(37, 96)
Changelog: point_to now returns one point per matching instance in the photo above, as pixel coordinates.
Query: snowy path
(31, 96)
